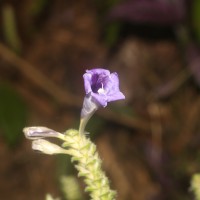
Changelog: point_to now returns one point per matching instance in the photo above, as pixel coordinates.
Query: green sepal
(82, 169)
(71, 132)
(91, 188)
(66, 144)
(105, 195)
(86, 147)
(74, 159)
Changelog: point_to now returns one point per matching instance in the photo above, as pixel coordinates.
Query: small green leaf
(66, 144)
(90, 189)
(74, 159)
(86, 147)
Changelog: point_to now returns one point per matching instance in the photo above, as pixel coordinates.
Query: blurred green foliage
(70, 188)
(10, 28)
(38, 7)
(195, 186)
(65, 169)
(112, 33)
(104, 6)
(13, 114)
(195, 14)
(122, 110)
(112, 29)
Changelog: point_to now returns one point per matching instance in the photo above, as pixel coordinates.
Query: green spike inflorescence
(83, 151)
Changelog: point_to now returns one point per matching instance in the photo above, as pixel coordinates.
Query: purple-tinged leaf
(160, 12)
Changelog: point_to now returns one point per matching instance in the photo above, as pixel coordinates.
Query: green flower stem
(83, 151)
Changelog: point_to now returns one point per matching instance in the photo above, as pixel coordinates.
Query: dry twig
(61, 95)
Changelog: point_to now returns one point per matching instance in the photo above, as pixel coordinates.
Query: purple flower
(102, 86)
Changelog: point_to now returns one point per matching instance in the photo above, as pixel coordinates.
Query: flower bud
(36, 132)
(47, 147)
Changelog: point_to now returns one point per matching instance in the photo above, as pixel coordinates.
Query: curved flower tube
(101, 87)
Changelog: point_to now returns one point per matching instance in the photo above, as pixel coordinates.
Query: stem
(84, 121)
(88, 165)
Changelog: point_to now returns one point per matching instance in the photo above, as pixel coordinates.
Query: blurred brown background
(149, 143)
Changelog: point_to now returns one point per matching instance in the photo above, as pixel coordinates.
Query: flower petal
(112, 85)
(98, 71)
(47, 147)
(101, 99)
(117, 96)
(87, 82)
(35, 132)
